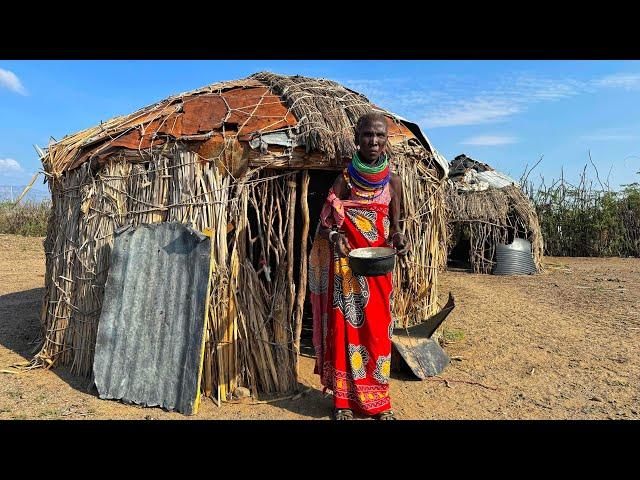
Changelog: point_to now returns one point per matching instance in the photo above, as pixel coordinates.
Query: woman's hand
(400, 243)
(341, 242)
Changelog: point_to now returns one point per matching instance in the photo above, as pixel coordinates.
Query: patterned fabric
(387, 226)
(358, 360)
(392, 324)
(350, 292)
(352, 319)
(365, 222)
(318, 269)
(333, 211)
(383, 369)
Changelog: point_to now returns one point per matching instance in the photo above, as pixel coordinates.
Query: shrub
(582, 221)
(29, 219)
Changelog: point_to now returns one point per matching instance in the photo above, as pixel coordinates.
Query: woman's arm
(341, 191)
(398, 240)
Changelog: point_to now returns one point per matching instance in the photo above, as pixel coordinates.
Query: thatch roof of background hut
(494, 209)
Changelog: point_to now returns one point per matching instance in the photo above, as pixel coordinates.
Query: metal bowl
(372, 261)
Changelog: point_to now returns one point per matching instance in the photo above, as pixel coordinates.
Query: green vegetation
(453, 335)
(29, 219)
(48, 414)
(15, 394)
(582, 221)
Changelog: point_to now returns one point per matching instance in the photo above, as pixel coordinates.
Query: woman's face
(372, 139)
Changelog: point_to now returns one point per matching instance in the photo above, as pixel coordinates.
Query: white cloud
(607, 137)
(381, 91)
(12, 82)
(628, 81)
(508, 98)
(9, 165)
(471, 112)
(489, 140)
(527, 88)
(364, 83)
(461, 103)
(457, 100)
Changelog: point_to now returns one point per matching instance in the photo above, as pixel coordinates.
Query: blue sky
(505, 113)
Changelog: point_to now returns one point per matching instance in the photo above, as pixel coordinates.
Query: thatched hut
(484, 208)
(251, 160)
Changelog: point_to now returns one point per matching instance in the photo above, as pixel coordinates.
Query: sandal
(343, 414)
(388, 415)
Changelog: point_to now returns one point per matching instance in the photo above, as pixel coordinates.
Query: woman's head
(371, 136)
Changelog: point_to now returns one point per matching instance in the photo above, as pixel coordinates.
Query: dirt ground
(560, 345)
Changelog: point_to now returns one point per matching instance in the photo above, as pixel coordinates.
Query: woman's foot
(388, 415)
(343, 414)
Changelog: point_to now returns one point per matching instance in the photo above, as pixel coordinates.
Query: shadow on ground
(20, 322)
(312, 403)
(20, 332)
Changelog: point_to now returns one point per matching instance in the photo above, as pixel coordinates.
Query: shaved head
(368, 119)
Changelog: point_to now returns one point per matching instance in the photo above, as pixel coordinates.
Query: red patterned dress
(352, 323)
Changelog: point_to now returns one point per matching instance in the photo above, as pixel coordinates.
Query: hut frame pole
(302, 283)
(290, 240)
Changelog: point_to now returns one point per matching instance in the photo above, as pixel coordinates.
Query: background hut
(484, 208)
(252, 161)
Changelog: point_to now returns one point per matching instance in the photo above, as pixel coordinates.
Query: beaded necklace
(365, 180)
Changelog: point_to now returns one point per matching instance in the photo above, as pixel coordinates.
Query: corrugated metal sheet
(515, 258)
(473, 180)
(151, 330)
(282, 138)
(496, 179)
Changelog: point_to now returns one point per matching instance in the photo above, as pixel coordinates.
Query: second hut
(485, 208)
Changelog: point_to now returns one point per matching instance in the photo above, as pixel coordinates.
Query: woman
(352, 314)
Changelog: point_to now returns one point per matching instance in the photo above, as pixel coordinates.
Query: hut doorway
(459, 253)
(275, 270)
(320, 181)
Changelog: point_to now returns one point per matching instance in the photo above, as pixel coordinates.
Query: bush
(29, 219)
(581, 221)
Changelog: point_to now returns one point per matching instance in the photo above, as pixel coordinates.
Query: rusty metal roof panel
(151, 331)
(414, 128)
(246, 110)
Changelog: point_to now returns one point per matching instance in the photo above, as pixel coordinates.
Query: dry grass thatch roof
(491, 205)
(488, 204)
(318, 114)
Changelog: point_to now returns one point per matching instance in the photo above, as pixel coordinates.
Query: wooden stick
(302, 282)
(437, 378)
(291, 282)
(290, 238)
